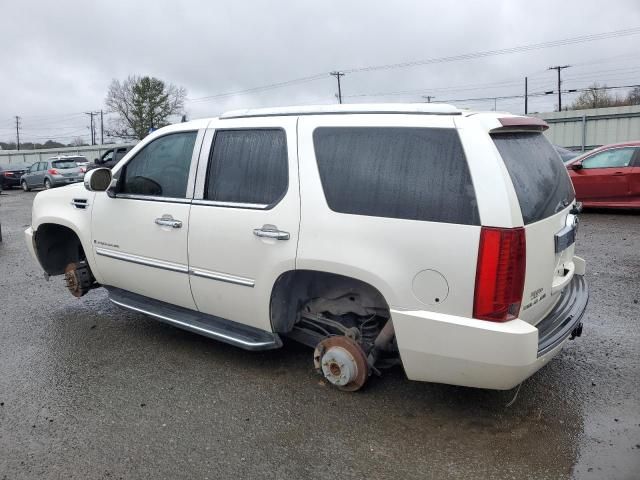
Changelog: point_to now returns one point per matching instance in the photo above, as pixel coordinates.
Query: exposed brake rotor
(342, 362)
(78, 278)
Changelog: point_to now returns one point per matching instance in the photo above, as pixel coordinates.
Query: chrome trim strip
(152, 198)
(222, 277)
(189, 326)
(149, 262)
(214, 203)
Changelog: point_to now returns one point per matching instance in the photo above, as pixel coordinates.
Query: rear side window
(248, 166)
(408, 173)
(539, 177)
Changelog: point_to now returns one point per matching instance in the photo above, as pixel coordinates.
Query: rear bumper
(10, 181)
(475, 353)
(58, 181)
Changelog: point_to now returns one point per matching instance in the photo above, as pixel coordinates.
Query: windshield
(539, 177)
(64, 164)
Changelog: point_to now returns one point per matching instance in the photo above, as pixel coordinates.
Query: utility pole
(558, 68)
(526, 97)
(338, 75)
(93, 139)
(18, 132)
(428, 98)
(101, 128)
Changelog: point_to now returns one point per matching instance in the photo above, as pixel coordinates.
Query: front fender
(55, 207)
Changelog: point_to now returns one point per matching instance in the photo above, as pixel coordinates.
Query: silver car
(54, 172)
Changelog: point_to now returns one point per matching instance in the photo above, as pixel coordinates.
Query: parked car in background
(54, 172)
(10, 174)
(608, 176)
(81, 161)
(109, 158)
(565, 154)
(456, 236)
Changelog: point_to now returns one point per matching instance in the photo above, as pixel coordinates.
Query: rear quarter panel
(387, 253)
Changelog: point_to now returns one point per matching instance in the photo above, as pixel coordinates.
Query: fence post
(584, 132)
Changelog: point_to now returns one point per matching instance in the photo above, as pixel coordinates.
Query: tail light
(83, 170)
(8, 174)
(499, 274)
(53, 171)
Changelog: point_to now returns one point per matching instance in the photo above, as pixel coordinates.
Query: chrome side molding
(149, 262)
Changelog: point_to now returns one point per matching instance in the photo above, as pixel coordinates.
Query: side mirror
(97, 161)
(97, 180)
(577, 166)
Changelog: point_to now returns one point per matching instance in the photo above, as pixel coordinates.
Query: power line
(466, 56)
(502, 51)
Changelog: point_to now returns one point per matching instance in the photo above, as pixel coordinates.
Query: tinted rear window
(540, 179)
(64, 164)
(408, 173)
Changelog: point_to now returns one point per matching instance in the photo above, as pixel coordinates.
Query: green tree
(142, 104)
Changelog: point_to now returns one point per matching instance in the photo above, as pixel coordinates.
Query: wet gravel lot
(88, 390)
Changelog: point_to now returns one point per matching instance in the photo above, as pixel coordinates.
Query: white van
(379, 234)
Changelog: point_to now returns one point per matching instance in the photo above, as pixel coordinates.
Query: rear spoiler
(510, 124)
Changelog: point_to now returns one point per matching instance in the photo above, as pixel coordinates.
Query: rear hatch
(67, 168)
(545, 194)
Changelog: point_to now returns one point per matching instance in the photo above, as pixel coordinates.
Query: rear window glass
(64, 164)
(408, 173)
(539, 177)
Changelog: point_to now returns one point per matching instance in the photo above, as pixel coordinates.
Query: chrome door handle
(168, 221)
(270, 231)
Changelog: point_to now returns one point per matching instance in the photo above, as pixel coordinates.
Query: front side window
(408, 173)
(161, 168)
(616, 158)
(248, 167)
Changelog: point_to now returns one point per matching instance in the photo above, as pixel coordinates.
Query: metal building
(586, 129)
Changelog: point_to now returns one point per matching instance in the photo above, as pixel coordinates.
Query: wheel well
(57, 246)
(293, 289)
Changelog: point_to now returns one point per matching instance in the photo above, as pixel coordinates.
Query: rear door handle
(618, 173)
(271, 231)
(168, 221)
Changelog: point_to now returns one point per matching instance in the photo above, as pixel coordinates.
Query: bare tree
(77, 142)
(633, 97)
(142, 104)
(595, 96)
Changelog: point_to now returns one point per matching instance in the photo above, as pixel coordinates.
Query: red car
(608, 176)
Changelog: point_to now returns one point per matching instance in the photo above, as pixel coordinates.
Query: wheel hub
(342, 362)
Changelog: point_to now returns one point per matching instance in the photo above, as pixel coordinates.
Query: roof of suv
(406, 108)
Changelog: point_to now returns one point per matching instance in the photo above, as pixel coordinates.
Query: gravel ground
(88, 390)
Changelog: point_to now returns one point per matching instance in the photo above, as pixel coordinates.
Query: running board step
(234, 333)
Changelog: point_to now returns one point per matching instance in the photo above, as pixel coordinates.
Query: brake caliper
(79, 278)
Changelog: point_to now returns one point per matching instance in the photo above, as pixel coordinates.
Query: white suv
(376, 234)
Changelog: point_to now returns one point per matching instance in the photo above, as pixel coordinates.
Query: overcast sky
(58, 57)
